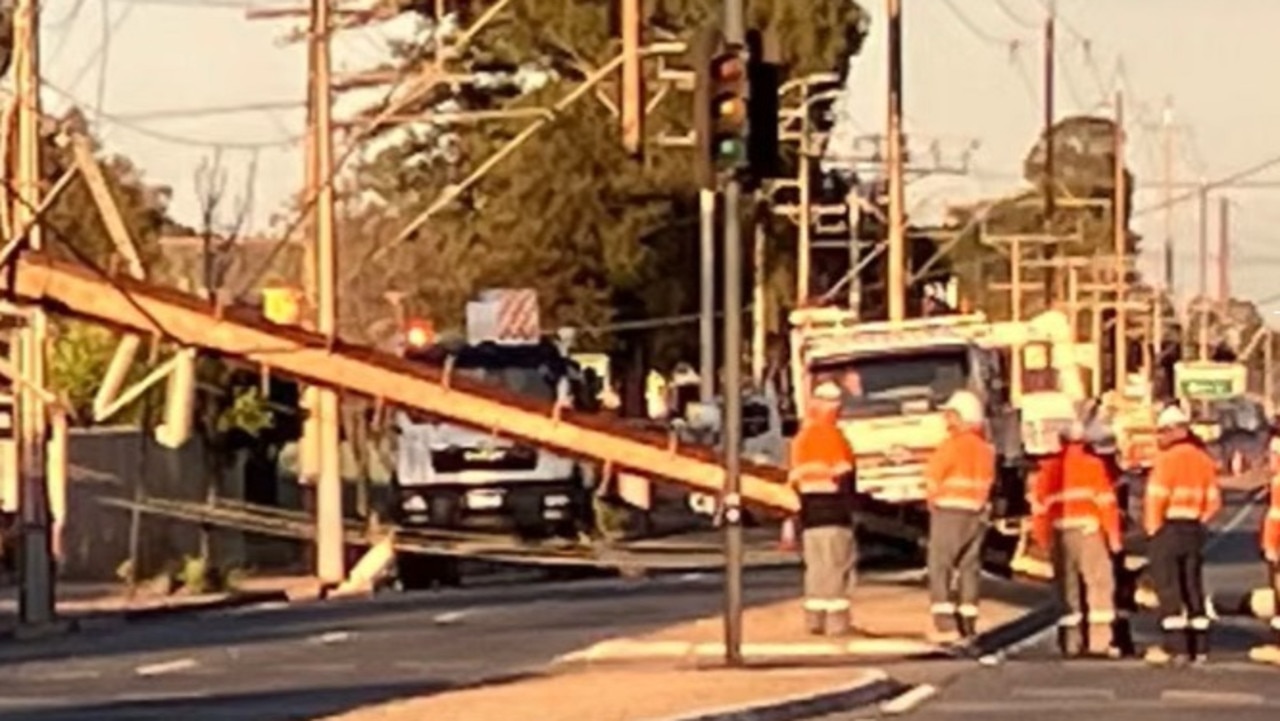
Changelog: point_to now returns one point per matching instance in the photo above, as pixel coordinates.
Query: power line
(172, 138)
(1015, 17)
(209, 111)
(1225, 181)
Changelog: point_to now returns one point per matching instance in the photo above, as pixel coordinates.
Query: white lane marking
(1216, 698)
(61, 675)
(332, 637)
(907, 701)
(1105, 694)
(451, 617)
(156, 669)
(689, 577)
(33, 702)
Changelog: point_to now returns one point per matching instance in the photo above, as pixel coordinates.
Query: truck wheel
(421, 571)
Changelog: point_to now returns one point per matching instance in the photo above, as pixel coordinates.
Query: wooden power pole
(1050, 174)
(330, 566)
(1120, 231)
(36, 605)
(896, 278)
(1224, 252)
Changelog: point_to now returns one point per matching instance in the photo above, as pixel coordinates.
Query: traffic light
(735, 109)
(720, 107)
(764, 77)
(419, 333)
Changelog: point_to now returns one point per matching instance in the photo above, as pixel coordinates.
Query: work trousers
(1176, 555)
(830, 558)
(954, 562)
(1084, 579)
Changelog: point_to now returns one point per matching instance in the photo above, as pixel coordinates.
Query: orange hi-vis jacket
(1183, 486)
(822, 464)
(960, 472)
(1075, 490)
(1271, 526)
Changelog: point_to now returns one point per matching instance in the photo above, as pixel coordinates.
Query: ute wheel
(420, 571)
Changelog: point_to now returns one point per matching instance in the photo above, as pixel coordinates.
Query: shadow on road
(304, 704)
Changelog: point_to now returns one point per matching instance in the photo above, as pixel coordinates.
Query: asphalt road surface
(1032, 682)
(273, 663)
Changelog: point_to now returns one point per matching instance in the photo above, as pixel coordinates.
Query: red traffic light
(728, 68)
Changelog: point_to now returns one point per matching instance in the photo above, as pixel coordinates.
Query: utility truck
(451, 477)
(895, 378)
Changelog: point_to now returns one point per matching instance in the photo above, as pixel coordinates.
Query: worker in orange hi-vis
(1270, 653)
(1182, 495)
(822, 473)
(959, 477)
(1076, 517)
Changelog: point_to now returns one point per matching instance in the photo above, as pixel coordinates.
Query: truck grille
(454, 459)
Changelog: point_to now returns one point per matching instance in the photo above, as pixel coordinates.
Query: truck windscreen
(533, 383)
(887, 384)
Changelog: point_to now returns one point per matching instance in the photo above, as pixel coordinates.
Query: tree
(600, 235)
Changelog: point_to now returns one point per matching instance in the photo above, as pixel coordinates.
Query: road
(1032, 680)
(274, 663)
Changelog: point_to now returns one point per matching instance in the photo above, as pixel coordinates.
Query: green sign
(1206, 388)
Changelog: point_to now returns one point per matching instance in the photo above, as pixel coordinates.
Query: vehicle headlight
(558, 500)
(414, 504)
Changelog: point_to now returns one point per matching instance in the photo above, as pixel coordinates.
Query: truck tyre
(421, 571)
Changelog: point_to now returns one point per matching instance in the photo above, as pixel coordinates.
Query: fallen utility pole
(134, 306)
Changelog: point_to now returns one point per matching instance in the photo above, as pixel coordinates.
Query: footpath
(104, 604)
(677, 673)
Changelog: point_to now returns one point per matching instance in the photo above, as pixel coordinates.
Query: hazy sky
(972, 73)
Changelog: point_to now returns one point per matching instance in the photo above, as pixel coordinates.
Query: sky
(972, 75)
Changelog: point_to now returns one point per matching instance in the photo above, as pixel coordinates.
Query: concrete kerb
(114, 619)
(874, 687)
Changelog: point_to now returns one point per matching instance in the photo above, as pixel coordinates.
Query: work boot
(968, 626)
(1265, 654)
(1070, 641)
(1102, 641)
(815, 622)
(1198, 646)
(1158, 656)
(839, 623)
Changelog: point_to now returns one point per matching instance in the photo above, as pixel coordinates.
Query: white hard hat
(827, 391)
(967, 406)
(1172, 416)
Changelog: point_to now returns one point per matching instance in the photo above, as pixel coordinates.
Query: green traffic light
(729, 149)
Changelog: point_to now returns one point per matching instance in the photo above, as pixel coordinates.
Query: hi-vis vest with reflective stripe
(1075, 491)
(1183, 487)
(820, 457)
(960, 472)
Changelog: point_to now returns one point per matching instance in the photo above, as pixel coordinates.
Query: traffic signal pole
(735, 37)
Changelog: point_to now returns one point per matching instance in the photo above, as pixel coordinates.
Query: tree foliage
(602, 236)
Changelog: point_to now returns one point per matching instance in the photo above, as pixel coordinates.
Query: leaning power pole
(36, 600)
(896, 276)
(330, 567)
